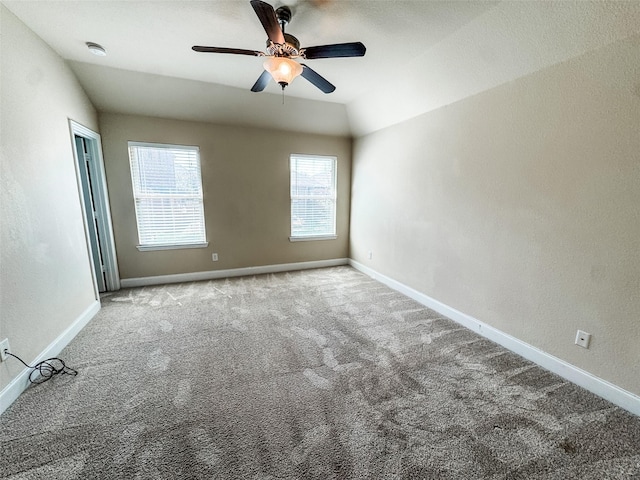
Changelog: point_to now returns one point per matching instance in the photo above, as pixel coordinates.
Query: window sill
(311, 239)
(148, 248)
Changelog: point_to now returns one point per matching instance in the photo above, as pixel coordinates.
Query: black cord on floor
(47, 368)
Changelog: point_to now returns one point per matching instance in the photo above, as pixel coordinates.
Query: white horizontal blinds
(167, 187)
(313, 196)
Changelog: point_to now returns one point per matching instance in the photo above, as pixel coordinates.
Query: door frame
(93, 233)
(101, 201)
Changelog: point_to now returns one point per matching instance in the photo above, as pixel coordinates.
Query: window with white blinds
(313, 197)
(167, 188)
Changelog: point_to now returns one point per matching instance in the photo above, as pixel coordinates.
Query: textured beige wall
(245, 175)
(45, 272)
(520, 206)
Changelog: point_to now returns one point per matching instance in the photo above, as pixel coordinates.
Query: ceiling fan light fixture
(282, 48)
(282, 69)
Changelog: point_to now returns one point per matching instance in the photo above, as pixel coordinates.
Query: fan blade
(354, 49)
(318, 80)
(262, 82)
(237, 51)
(267, 16)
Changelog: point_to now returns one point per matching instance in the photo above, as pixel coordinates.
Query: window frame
(333, 198)
(167, 246)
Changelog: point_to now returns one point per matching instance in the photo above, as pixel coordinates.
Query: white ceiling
(420, 54)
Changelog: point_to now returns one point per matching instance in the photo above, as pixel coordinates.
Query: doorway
(95, 204)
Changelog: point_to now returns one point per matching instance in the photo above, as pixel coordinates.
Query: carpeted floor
(320, 374)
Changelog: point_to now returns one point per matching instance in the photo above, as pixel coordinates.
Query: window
(313, 197)
(167, 188)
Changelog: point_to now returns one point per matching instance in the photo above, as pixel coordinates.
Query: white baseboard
(19, 384)
(616, 395)
(233, 272)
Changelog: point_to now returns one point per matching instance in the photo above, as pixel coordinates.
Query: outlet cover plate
(4, 344)
(582, 339)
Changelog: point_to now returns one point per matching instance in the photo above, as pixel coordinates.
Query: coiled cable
(46, 369)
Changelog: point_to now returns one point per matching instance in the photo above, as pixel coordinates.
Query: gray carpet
(321, 374)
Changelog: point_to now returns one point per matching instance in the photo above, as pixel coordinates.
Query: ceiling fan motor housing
(291, 47)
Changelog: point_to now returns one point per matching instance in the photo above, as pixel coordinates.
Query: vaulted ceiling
(421, 55)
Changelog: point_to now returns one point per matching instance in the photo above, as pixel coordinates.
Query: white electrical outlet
(214, 257)
(4, 345)
(582, 339)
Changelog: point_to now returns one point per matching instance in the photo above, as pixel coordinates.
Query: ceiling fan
(283, 49)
